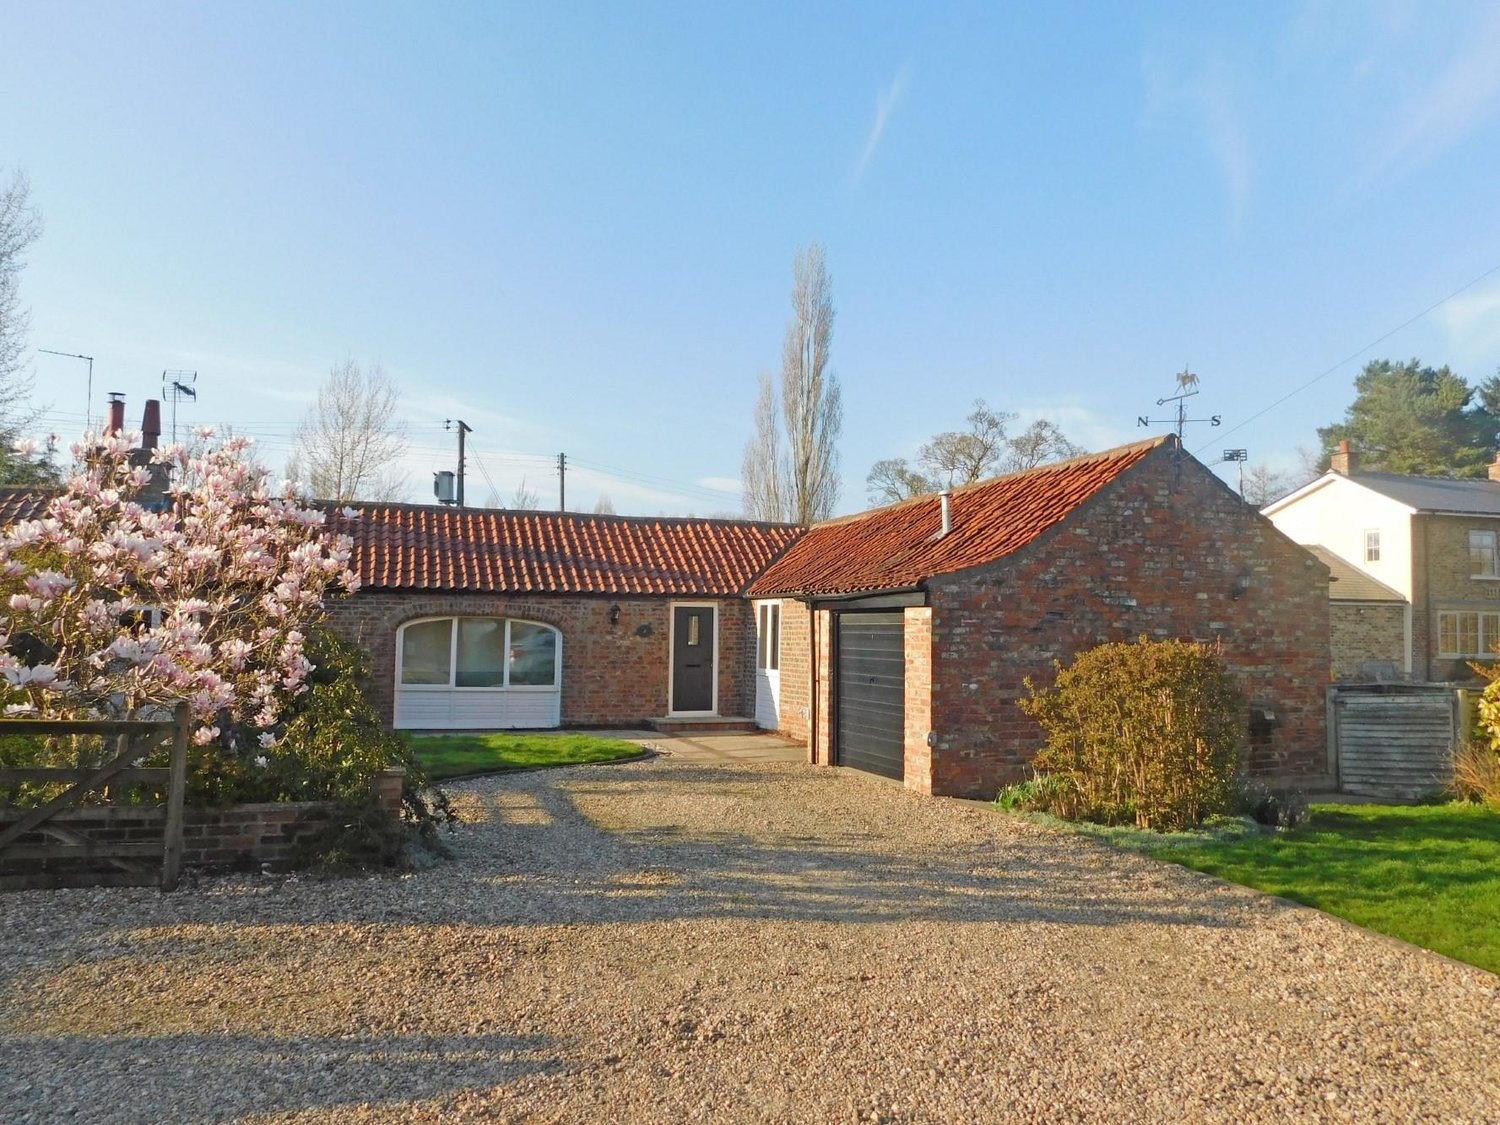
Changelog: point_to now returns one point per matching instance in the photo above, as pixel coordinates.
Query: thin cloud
(885, 105)
(1471, 323)
(1460, 99)
(1210, 101)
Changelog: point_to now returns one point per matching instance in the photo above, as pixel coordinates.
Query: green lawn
(1428, 874)
(450, 755)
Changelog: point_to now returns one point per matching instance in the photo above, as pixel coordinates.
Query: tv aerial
(176, 386)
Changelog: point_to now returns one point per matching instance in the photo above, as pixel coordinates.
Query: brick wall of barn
(1363, 633)
(612, 676)
(1159, 554)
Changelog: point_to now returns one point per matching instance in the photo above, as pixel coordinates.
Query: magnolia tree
(111, 608)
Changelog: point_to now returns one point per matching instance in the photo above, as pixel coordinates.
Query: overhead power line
(1352, 356)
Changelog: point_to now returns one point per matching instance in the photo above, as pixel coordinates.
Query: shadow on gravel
(188, 1077)
(573, 871)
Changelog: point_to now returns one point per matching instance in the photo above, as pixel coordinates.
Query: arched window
(479, 652)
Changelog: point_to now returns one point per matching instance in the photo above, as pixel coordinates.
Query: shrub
(1149, 732)
(329, 747)
(1043, 793)
(1476, 772)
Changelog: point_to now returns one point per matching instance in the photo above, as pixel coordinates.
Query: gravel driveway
(673, 941)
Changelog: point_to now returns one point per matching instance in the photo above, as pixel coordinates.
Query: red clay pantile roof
(423, 547)
(22, 503)
(897, 547)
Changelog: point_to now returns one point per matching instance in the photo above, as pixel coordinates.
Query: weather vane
(1187, 387)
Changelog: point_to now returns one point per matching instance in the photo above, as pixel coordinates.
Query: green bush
(1149, 732)
(330, 746)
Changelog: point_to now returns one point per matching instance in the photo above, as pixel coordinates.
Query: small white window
(1482, 554)
(1372, 546)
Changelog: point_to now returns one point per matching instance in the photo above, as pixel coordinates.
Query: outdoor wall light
(614, 614)
(1240, 588)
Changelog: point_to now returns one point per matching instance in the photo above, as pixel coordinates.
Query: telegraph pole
(88, 408)
(463, 428)
(562, 482)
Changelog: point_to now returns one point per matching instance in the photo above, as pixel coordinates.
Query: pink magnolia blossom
(208, 601)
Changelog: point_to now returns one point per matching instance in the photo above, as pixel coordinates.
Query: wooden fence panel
(1393, 740)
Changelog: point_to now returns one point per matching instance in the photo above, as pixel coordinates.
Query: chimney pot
(116, 414)
(151, 424)
(945, 498)
(1344, 459)
(1494, 469)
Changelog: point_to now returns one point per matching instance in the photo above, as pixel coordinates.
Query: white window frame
(768, 637)
(1372, 545)
(672, 608)
(1493, 549)
(1486, 630)
(452, 684)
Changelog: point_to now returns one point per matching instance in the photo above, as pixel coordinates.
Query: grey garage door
(870, 730)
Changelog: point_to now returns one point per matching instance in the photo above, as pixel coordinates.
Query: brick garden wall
(1157, 554)
(612, 675)
(236, 836)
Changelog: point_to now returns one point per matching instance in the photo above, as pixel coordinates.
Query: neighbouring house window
(1372, 546)
(478, 652)
(1482, 554)
(1468, 633)
(768, 650)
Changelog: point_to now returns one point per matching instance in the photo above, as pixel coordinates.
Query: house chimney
(116, 414)
(151, 424)
(1494, 469)
(945, 497)
(1344, 460)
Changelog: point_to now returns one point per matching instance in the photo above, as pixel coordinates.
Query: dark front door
(870, 684)
(693, 657)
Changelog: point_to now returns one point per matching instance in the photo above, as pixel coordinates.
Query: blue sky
(573, 225)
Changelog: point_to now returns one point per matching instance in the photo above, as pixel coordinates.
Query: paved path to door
(683, 940)
(708, 746)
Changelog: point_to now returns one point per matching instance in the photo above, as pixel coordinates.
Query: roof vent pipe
(116, 414)
(945, 497)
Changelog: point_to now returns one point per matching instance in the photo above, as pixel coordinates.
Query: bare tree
(604, 506)
(893, 480)
(804, 486)
(20, 226)
(1264, 484)
(524, 499)
(1040, 443)
(350, 443)
(964, 456)
(764, 471)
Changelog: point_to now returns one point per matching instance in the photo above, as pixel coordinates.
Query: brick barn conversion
(895, 641)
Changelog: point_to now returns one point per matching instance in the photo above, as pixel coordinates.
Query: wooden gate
(45, 846)
(1393, 740)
